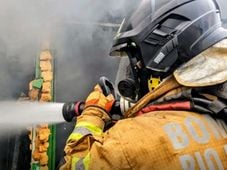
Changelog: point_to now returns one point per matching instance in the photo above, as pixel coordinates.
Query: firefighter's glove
(97, 104)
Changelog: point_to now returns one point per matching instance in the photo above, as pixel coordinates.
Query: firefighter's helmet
(161, 35)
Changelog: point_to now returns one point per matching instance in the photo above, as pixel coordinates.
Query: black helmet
(163, 34)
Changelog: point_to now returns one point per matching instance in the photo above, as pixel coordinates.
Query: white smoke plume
(70, 30)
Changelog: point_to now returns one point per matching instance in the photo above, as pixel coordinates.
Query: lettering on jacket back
(205, 135)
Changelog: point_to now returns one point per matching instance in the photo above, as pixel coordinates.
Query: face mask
(125, 82)
(132, 78)
(134, 84)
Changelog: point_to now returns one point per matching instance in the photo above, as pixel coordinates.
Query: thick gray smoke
(74, 30)
(78, 32)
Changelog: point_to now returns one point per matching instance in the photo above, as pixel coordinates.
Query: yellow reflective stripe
(86, 161)
(75, 136)
(84, 128)
(81, 163)
(94, 129)
(73, 163)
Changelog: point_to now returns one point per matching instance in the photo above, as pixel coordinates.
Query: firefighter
(179, 124)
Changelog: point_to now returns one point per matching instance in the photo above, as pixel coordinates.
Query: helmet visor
(122, 69)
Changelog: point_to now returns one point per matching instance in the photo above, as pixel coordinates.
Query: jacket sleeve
(89, 148)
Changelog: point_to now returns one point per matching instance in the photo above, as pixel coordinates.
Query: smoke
(74, 30)
(71, 31)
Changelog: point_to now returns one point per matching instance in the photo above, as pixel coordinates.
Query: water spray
(23, 114)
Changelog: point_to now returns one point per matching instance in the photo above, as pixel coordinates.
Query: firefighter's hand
(97, 98)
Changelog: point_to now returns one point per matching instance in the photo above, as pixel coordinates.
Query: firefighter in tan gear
(180, 124)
